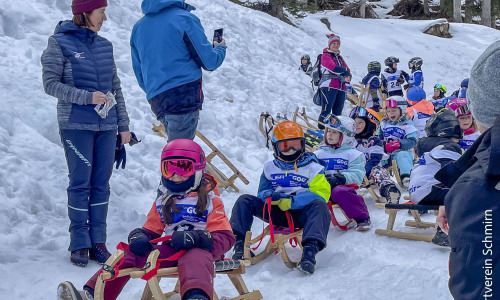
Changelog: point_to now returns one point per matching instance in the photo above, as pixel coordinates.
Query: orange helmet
(288, 135)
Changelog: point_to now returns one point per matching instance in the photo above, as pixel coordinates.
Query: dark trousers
(90, 156)
(313, 218)
(332, 102)
(435, 197)
(195, 268)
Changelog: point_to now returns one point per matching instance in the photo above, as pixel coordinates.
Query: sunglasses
(181, 167)
(286, 145)
(462, 110)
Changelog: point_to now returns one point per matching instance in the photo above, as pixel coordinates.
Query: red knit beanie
(81, 6)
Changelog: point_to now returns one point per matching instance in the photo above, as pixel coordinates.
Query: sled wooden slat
(277, 246)
(152, 289)
(393, 209)
(219, 176)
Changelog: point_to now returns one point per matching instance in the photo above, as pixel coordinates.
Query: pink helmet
(459, 106)
(184, 148)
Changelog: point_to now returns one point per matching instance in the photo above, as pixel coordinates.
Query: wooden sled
(219, 176)
(394, 171)
(152, 290)
(350, 223)
(370, 186)
(281, 236)
(393, 209)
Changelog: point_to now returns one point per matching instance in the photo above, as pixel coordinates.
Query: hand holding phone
(217, 36)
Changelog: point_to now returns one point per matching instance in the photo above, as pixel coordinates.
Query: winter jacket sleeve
(375, 83)
(409, 141)
(329, 63)
(136, 63)
(355, 171)
(154, 222)
(384, 82)
(319, 189)
(265, 188)
(121, 109)
(53, 62)
(417, 79)
(309, 70)
(208, 57)
(373, 161)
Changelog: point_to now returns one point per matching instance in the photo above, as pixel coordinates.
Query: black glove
(138, 242)
(184, 240)
(406, 86)
(133, 139)
(120, 153)
(336, 179)
(376, 104)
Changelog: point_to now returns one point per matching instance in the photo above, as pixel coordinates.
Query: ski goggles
(287, 145)
(358, 112)
(462, 111)
(390, 103)
(440, 87)
(333, 121)
(181, 167)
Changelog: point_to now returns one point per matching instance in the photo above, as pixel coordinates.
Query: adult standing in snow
(332, 84)
(79, 70)
(169, 49)
(472, 214)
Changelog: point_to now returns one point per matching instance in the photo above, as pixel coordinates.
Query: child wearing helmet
(306, 65)
(392, 78)
(367, 122)
(467, 123)
(399, 135)
(348, 87)
(439, 98)
(188, 209)
(293, 184)
(420, 109)
(416, 77)
(372, 82)
(345, 168)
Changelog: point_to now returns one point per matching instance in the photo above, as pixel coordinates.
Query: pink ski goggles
(181, 167)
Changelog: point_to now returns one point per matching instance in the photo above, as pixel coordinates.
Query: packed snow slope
(260, 74)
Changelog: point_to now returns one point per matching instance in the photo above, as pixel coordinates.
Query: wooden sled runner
(281, 236)
(219, 176)
(393, 209)
(152, 290)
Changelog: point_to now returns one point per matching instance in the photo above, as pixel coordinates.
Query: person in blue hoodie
(345, 168)
(169, 49)
(295, 184)
(79, 70)
(372, 83)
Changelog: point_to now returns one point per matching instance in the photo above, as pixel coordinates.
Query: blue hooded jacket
(169, 48)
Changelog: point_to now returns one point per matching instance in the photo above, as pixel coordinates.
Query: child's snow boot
(80, 257)
(99, 253)
(67, 291)
(195, 294)
(308, 261)
(391, 193)
(239, 247)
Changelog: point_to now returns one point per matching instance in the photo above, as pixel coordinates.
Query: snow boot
(308, 261)
(391, 193)
(363, 225)
(405, 181)
(67, 291)
(440, 238)
(99, 253)
(239, 247)
(195, 294)
(80, 257)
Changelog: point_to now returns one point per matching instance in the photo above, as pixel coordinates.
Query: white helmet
(342, 124)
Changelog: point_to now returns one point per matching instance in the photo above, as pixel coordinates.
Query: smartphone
(218, 35)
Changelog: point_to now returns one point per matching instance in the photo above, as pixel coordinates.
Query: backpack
(316, 73)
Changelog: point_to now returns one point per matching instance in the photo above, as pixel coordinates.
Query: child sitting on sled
(467, 123)
(367, 122)
(294, 183)
(345, 168)
(189, 210)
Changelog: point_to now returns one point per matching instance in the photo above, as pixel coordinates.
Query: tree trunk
(468, 11)
(457, 11)
(362, 8)
(486, 14)
(426, 8)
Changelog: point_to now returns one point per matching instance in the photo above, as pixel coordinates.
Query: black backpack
(316, 73)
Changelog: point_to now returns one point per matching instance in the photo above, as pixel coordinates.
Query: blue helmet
(465, 83)
(415, 94)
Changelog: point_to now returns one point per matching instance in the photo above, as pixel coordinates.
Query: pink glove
(392, 146)
(469, 131)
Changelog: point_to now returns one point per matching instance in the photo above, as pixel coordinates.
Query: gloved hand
(345, 73)
(133, 139)
(392, 146)
(120, 153)
(376, 104)
(406, 86)
(402, 77)
(184, 240)
(336, 179)
(138, 242)
(283, 203)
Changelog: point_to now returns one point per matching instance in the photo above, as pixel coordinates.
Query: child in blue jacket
(345, 168)
(372, 83)
(416, 78)
(294, 183)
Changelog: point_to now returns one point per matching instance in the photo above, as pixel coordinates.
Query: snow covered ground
(259, 74)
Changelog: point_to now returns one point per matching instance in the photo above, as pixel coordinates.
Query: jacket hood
(154, 6)
(304, 160)
(68, 26)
